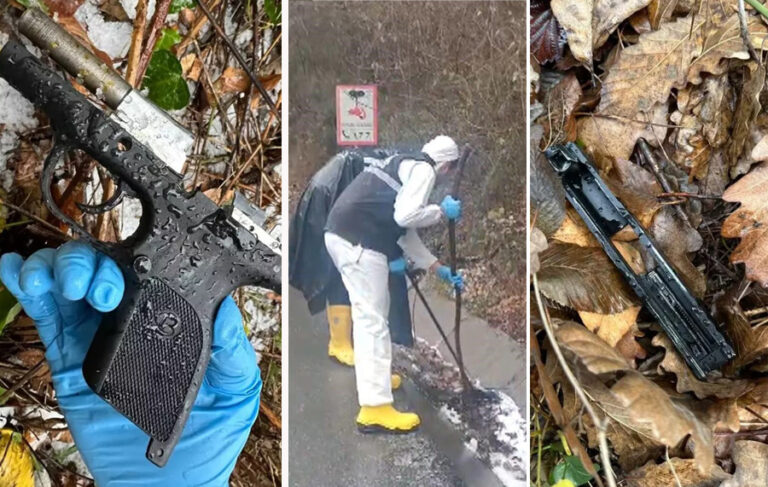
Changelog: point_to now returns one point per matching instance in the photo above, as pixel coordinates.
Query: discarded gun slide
(692, 331)
(149, 356)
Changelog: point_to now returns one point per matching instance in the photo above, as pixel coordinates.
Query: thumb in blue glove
(456, 280)
(451, 208)
(398, 266)
(65, 292)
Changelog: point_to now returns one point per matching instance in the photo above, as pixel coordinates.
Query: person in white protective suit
(371, 225)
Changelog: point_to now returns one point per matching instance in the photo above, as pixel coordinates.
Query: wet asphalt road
(325, 448)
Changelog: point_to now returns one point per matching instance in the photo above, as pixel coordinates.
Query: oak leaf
(596, 355)
(751, 459)
(687, 382)
(750, 223)
(677, 471)
(653, 413)
(588, 23)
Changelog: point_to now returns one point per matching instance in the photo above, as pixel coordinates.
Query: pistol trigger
(111, 203)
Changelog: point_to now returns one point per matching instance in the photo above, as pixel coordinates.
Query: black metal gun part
(691, 329)
(149, 355)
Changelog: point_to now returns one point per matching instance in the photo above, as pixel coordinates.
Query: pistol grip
(148, 359)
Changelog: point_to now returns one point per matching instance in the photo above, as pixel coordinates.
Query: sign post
(357, 115)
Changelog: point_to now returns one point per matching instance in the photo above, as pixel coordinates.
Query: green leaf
(165, 82)
(168, 39)
(179, 5)
(35, 3)
(273, 10)
(571, 469)
(9, 308)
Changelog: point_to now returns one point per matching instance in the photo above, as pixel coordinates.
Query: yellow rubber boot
(340, 328)
(396, 381)
(386, 419)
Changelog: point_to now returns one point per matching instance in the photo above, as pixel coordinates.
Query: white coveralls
(365, 274)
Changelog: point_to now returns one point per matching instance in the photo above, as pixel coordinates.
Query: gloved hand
(451, 208)
(398, 266)
(456, 280)
(65, 292)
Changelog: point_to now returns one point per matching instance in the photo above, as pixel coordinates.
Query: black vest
(364, 213)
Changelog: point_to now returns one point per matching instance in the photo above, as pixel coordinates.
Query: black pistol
(149, 355)
(691, 329)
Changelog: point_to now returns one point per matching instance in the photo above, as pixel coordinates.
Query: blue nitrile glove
(444, 273)
(66, 291)
(398, 266)
(451, 208)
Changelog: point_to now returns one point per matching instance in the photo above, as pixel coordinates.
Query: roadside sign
(357, 115)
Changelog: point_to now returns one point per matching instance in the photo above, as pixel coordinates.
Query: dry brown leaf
(583, 278)
(747, 108)
(71, 25)
(676, 239)
(559, 123)
(232, 80)
(751, 459)
(651, 411)
(574, 231)
(722, 40)
(596, 355)
(191, 66)
(588, 23)
(645, 73)
(537, 245)
(760, 150)
(750, 223)
(65, 8)
(660, 11)
(611, 328)
(677, 472)
(750, 343)
(637, 189)
(629, 348)
(687, 382)
(607, 137)
(269, 82)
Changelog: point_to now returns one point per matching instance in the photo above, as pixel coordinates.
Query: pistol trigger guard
(57, 154)
(110, 204)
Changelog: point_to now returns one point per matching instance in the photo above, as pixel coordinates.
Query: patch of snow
(18, 115)
(505, 472)
(244, 38)
(73, 459)
(130, 8)
(450, 414)
(471, 445)
(513, 427)
(7, 412)
(230, 27)
(114, 38)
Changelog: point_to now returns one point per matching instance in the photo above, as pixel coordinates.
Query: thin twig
(651, 162)
(35, 217)
(744, 29)
(240, 59)
(158, 20)
(23, 380)
(137, 41)
(683, 194)
(600, 423)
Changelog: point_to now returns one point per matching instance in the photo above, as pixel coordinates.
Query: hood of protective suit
(441, 149)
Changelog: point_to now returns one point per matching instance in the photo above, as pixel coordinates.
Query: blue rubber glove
(444, 273)
(398, 266)
(451, 208)
(65, 292)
